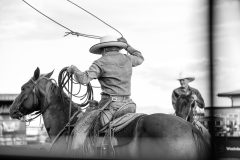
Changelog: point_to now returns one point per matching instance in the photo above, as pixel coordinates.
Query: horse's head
(184, 107)
(29, 99)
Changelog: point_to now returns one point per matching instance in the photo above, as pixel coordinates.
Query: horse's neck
(56, 115)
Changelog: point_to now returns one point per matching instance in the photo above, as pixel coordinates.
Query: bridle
(36, 100)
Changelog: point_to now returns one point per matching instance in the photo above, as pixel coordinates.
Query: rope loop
(70, 31)
(67, 33)
(95, 17)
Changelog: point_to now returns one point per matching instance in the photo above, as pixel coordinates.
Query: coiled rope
(64, 79)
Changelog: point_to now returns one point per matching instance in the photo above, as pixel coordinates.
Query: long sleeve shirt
(179, 91)
(113, 71)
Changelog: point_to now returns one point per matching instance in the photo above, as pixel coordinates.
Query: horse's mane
(62, 96)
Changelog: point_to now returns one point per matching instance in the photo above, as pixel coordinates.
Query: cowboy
(184, 80)
(113, 71)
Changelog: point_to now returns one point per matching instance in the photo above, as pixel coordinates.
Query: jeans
(115, 109)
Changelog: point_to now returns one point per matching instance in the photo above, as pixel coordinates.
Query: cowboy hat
(183, 75)
(107, 41)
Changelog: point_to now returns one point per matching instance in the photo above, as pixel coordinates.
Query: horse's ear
(48, 75)
(36, 74)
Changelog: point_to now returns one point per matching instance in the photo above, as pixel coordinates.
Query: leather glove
(71, 69)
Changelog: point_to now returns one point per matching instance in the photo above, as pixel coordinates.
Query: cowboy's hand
(194, 97)
(72, 69)
(122, 39)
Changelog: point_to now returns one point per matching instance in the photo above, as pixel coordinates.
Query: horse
(154, 136)
(185, 108)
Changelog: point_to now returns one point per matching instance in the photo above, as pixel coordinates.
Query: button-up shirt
(179, 91)
(113, 71)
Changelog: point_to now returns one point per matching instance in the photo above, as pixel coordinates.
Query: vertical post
(211, 14)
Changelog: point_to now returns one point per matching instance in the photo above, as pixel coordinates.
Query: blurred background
(172, 35)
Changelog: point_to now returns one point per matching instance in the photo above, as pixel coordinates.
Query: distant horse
(156, 136)
(185, 108)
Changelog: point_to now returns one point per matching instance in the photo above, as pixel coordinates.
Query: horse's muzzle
(15, 113)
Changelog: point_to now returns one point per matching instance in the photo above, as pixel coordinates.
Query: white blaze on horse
(159, 135)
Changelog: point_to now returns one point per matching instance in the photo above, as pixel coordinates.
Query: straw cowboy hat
(107, 41)
(183, 75)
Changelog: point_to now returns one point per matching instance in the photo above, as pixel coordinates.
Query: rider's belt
(116, 98)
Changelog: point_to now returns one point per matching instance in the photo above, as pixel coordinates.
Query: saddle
(115, 126)
(105, 144)
(86, 141)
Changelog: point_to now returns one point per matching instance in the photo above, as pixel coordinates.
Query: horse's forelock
(182, 103)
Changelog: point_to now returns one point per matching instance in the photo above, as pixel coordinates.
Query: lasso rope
(67, 33)
(70, 105)
(95, 17)
(63, 79)
(71, 31)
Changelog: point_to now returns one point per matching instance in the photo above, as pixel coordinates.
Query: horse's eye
(22, 89)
